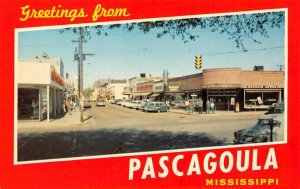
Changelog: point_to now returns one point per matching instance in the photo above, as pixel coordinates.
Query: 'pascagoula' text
(210, 163)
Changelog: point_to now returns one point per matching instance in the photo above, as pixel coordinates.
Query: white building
(39, 80)
(117, 89)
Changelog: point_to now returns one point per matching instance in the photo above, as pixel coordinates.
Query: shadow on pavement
(107, 141)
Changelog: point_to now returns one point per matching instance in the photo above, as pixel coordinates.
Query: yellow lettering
(209, 182)
(121, 12)
(101, 11)
(51, 13)
(25, 13)
(96, 11)
(222, 182)
(72, 15)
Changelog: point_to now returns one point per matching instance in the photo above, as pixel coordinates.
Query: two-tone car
(155, 107)
(269, 128)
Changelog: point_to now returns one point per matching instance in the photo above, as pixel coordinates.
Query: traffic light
(198, 62)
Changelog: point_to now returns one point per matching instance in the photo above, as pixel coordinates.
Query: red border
(113, 172)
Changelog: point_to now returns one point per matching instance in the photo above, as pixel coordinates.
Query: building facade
(232, 88)
(40, 88)
(116, 89)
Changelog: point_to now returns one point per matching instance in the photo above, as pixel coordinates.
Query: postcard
(152, 94)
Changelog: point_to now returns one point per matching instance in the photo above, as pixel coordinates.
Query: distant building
(142, 86)
(102, 91)
(118, 88)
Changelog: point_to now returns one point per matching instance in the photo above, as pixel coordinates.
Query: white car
(100, 102)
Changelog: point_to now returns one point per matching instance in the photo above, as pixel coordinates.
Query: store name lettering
(58, 12)
(262, 86)
(145, 87)
(56, 77)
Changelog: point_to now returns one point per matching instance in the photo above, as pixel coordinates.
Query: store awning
(142, 94)
(155, 95)
(172, 93)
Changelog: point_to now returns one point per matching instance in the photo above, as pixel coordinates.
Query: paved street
(115, 129)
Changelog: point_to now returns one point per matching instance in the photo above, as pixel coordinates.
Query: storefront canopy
(155, 95)
(142, 94)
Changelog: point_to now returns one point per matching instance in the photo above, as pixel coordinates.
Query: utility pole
(281, 67)
(80, 57)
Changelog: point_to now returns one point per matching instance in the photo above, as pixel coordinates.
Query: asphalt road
(115, 129)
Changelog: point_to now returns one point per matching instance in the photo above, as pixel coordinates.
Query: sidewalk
(68, 120)
(217, 113)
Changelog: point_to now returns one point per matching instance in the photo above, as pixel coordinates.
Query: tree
(236, 27)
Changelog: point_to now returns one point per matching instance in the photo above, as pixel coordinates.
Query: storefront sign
(146, 87)
(222, 92)
(158, 88)
(174, 88)
(69, 90)
(221, 86)
(261, 86)
(56, 77)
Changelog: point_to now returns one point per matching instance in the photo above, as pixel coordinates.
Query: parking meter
(271, 124)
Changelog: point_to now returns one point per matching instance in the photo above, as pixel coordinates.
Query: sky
(123, 54)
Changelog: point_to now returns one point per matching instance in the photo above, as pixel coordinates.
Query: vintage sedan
(156, 107)
(87, 103)
(269, 128)
(100, 102)
(276, 108)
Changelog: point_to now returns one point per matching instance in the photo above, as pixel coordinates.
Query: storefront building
(144, 90)
(232, 88)
(40, 89)
(158, 89)
(182, 88)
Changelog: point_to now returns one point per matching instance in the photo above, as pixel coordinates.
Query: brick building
(232, 87)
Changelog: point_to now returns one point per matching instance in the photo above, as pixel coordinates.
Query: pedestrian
(33, 105)
(207, 106)
(212, 106)
(64, 107)
(187, 106)
(192, 106)
(200, 105)
(69, 106)
(74, 106)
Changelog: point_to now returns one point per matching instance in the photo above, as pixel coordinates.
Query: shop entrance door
(28, 103)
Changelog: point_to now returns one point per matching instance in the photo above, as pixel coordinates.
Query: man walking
(200, 105)
(207, 106)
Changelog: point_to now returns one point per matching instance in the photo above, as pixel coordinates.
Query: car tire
(265, 139)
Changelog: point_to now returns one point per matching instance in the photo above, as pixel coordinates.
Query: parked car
(276, 108)
(87, 103)
(137, 104)
(261, 131)
(156, 107)
(119, 102)
(100, 102)
(113, 101)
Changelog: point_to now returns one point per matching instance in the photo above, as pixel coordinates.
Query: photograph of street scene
(153, 86)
